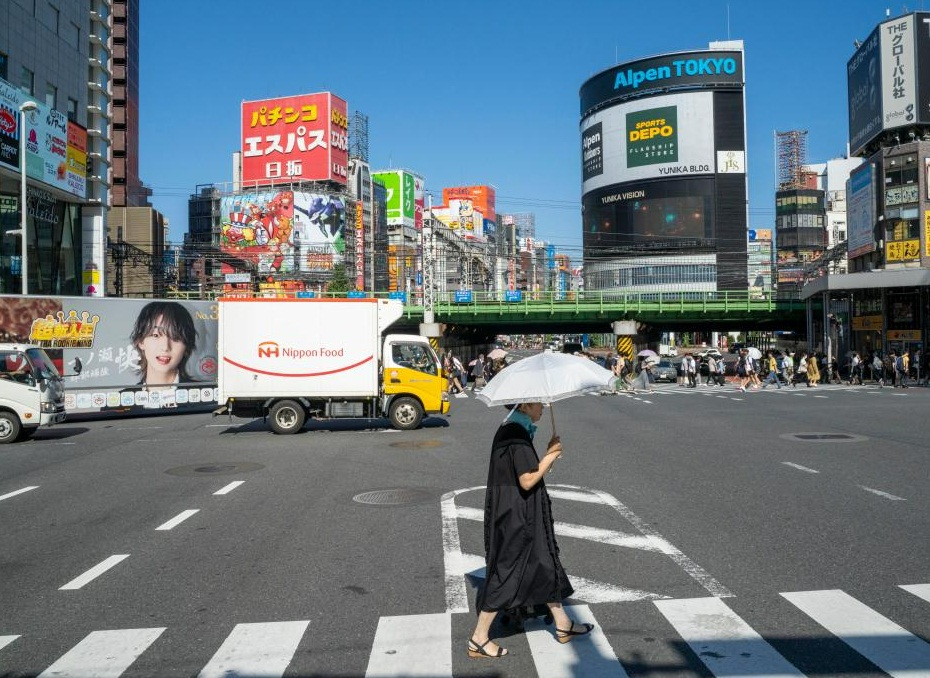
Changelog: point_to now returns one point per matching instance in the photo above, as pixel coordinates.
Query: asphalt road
(707, 532)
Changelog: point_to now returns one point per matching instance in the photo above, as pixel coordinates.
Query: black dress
(522, 557)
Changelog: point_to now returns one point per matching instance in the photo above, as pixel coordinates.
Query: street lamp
(27, 105)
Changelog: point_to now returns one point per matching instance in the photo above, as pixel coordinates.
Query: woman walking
(521, 555)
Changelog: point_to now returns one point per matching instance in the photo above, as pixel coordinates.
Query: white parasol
(545, 378)
(647, 353)
(754, 353)
(497, 354)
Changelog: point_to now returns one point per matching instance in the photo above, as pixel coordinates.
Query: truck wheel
(287, 416)
(406, 414)
(9, 427)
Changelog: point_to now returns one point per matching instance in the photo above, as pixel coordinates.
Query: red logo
(7, 122)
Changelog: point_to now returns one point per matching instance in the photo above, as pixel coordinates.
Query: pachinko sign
(284, 231)
(137, 355)
(297, 138)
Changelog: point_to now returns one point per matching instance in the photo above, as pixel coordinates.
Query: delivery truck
(32, 392)
(288, 360)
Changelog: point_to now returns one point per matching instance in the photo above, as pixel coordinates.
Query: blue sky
(478, 92)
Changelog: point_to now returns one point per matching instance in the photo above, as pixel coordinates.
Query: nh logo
(268, 349)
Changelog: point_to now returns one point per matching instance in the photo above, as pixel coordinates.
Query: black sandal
(475, 650)
(565, 636)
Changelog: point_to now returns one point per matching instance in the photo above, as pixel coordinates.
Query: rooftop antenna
(728, 21)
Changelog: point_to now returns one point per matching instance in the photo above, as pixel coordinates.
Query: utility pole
(429, 328)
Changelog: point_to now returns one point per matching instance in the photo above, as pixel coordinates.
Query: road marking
(590, 656)
(882, 494)
(799, 467)
(820, 396)
(93, 573)
(412, 645)
(726, 644)
(919, 590)
(177, 520)
(6, 640)
(878, 639)
(256, 650)
(137, 428)
(13, 494)
(103, 653)
(229, 488)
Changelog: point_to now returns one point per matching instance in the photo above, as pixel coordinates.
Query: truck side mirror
(78, 366)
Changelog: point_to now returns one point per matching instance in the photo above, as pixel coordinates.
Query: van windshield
(42, 364)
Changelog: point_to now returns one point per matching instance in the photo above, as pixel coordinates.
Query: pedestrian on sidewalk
(522, 565)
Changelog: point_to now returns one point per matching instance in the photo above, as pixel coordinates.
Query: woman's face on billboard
(163, 356)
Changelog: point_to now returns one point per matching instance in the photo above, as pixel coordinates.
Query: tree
(339, 283)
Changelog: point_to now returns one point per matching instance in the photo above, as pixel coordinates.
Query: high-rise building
(54, 59)
(128, 190)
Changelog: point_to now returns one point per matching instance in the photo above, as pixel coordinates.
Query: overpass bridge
(588, 312)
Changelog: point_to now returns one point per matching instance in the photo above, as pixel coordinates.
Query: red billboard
(297, 138)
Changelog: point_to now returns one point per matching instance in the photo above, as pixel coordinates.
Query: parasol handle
(552, 417)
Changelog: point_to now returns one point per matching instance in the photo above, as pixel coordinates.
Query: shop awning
(913, 277)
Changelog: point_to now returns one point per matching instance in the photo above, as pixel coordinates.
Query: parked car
(665, 370)
(705, 353)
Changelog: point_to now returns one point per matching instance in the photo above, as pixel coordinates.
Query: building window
(75, 35)
(51, 18)
(27, 81)
(72, 109)
(4, 59)
(51, 95)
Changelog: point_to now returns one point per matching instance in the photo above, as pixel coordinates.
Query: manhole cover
(223, 469)
(416, 444)
(393, 497)
(823, 437)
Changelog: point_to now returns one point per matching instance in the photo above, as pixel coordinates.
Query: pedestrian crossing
(721, 643)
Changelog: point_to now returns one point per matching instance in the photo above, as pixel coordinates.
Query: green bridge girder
(545, 312)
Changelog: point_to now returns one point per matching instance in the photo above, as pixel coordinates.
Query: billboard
(284, 231)
(663, 136)
(484, 198)
(861, 211)
(705, 69)
(296, 138)
(401, 187)
(56, 149)
(888, 79)
(138, 355)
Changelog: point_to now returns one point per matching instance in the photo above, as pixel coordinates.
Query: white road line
(412, 645)
(6, 640)
(13, 494)
(229, 488)
(882, 494)
(820, 396)
(799, 467)
(590, 656)
(595, 534)
(93, 573)
(919, 590)
(103, 653)
(726, 644)
(177, 520)
(878, 639)
(262, 650)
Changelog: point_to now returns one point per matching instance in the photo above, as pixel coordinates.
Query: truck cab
(32, 393)
(412, 381)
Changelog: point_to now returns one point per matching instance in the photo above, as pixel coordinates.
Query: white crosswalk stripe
(103, 654)
(725, 643)
(878, 639)
(423, 645)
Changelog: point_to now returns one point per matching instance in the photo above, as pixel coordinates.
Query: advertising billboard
(861, 211)
(888, 79)
(401, 187)
(56, 149)
(663, 136)
(706, 69)
(137, 355)
(284, 231)
(296, 138)
(484, 198)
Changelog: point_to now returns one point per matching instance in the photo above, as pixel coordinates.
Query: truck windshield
(415, 356)
(42, 364)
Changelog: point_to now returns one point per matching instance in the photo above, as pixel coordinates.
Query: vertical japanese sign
(297, 138)
(899, 73)
(359, 247)
(401, 196)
